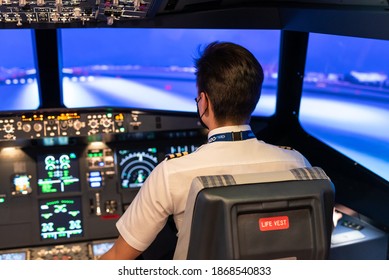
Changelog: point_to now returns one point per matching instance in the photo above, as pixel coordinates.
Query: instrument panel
(46, 124)
(67, 177)
(52, 12)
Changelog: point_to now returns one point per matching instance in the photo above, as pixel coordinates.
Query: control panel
(44, 124)
(74, 251)
(26, 13)
(67, 177)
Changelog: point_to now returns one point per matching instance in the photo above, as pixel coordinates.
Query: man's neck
(228, 123)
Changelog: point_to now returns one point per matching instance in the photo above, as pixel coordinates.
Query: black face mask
(198, 114)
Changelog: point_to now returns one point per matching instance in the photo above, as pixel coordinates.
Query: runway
(353, 121)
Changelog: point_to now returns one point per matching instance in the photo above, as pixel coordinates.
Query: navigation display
(60, 218)
(135, 166)
(21, 184)
(153, 67)
(58, 173)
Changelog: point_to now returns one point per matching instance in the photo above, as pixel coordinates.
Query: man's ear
(204, 98)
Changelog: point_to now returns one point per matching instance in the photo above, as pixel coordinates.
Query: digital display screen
(14, 256)
(58, 173)
(18, 71)
(99, 249)
(135, 166)
(345, 97)
(60, 218)
(21, 184)
(153, 67)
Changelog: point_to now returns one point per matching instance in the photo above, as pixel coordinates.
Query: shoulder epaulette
(286, 148)
(175, 155)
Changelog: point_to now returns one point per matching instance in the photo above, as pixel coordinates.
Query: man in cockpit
(229, 80)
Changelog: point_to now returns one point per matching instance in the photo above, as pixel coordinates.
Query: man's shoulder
(175, 155)
(286, 148)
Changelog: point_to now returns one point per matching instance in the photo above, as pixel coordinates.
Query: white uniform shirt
(166, 189)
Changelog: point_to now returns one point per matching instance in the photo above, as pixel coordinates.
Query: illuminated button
(64, 250)
(2, 199)
(76, 249)
(54, 251)
(42, 253)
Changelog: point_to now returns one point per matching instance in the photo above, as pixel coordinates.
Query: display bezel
(73, 230)
(141, 161)
(58, 173)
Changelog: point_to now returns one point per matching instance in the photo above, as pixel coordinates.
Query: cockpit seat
(275, 215)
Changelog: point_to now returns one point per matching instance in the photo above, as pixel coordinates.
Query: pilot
(229, 81)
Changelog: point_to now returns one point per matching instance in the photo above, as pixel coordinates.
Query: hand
(336, 216)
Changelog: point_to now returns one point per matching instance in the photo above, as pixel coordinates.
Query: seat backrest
(277, 215)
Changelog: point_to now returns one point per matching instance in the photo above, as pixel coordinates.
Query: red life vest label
(274, 223)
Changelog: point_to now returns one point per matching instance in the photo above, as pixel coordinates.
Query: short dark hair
(232, 78)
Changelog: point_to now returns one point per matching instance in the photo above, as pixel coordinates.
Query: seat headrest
(306, 173)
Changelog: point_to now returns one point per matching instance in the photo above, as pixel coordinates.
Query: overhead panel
(52, 13)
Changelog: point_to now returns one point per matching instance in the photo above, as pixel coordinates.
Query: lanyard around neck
(232, 136)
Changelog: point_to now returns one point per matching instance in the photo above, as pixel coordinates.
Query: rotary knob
(93, 123)
(26, 127)
(37, 127)
(77, 125)
(8, 128)
(106, 122)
